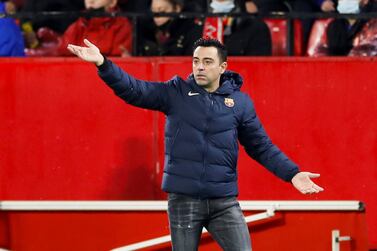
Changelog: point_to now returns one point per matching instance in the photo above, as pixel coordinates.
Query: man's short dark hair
(211, 42)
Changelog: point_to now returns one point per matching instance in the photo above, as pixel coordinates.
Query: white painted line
(246, 205)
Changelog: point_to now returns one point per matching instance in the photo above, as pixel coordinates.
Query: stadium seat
(317, 45)
(278, 29)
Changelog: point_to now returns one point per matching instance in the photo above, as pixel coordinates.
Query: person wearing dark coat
(268, 6)
(206, 116)
(341, 32)
(168, 36)
(247, 36)
(326, 6)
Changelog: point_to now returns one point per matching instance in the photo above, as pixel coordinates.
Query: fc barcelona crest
(229, 102)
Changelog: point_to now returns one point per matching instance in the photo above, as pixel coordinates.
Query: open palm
(302, 182)
(90, 54)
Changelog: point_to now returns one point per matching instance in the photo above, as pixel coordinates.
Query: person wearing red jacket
(113, 35)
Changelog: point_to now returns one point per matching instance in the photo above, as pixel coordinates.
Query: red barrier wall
(64, 136)
(99, 231)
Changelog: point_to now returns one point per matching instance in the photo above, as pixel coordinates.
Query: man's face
(207, 68)
(96, 4)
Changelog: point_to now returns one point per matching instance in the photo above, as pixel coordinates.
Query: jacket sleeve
(258, 145)
(143, 94)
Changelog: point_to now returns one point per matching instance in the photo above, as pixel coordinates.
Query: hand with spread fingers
(302, 182)
(90, 54)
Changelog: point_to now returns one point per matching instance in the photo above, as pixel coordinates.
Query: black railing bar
(275, 15)
(134, 36)
(290, 37)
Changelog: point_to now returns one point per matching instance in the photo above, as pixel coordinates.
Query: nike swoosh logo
(193, 93)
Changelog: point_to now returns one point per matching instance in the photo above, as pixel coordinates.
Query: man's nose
(201, 67)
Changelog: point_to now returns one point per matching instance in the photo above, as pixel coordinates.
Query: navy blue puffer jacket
(202, 131)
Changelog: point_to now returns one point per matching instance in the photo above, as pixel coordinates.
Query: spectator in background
(169, 36)
(342, 34)
(342, 37)
(242, 36)
(266, 6)
(58, 25)
(113, 35)
(11, 41)
(10, 7)
(366, 42)
(311, 6)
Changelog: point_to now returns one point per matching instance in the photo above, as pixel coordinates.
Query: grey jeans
(222, 218)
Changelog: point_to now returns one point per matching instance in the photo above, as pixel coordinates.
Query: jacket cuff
(105, 65)
(291, 175)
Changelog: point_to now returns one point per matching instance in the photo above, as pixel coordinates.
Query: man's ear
(223, 66)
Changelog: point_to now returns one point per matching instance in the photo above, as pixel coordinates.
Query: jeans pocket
(183, 211)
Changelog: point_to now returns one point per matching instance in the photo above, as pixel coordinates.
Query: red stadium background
(65, 136)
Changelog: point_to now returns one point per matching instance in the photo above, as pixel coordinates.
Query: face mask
(348, 7)
(222, 7)
(90, 13)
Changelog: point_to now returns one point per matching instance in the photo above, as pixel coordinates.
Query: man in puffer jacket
(206, 115)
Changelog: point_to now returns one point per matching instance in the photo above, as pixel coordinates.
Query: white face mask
(348, 6)
(222, 7)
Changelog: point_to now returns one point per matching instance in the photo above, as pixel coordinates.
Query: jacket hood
(230, 81)
(233, 78)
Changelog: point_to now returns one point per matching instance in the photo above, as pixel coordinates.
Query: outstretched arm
(259, 146)
(144, 94)
(90, 54)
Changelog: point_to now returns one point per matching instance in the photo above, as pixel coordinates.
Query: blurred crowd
(41, 35)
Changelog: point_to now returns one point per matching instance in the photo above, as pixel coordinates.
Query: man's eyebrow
(204, 58)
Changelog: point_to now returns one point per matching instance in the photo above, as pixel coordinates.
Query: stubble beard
(203, 83)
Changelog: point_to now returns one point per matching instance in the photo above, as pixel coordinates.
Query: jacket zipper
(210, 98)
